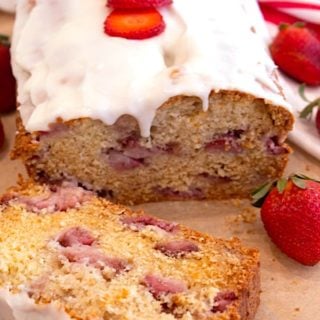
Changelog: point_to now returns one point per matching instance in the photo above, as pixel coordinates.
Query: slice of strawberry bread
(193, 113)
(67, 254)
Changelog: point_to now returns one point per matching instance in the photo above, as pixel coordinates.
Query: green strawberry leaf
(303, 176)
(300, 183)
(302, 89)
(281, 184)
(300, 180)
(259, 195)
(4, 40)
(283, 26)
(307, 111)
(299, 24)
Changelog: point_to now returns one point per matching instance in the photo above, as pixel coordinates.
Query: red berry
(138, 4)
(1, 135)
(7, 80)
(318, 120)
(292, 220)
(134, 24)
(296, 50)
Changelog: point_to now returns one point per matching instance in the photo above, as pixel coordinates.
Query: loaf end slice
(68, 254)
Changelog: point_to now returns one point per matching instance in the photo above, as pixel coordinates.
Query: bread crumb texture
(97, 260)
(225, 152)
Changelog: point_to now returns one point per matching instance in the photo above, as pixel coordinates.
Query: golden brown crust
(23, 148)
(250, 299)
(248, 287)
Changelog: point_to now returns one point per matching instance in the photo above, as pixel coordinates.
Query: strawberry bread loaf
(145, 104)
(67, 254)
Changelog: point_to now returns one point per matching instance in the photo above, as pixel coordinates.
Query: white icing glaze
(21, 307)
(67, 67)
(8, 5)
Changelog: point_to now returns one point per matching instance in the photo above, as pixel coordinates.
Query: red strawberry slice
(7, 80)
(134, 24)
(296, 50)
(138, 4)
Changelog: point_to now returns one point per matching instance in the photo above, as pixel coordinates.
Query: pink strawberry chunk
(172, 194)
(91, 256)
(119, 161)
(76, 236)
(131, 154)
(61, 198)
(144, 220)
(228, 142)
(274, 147)
(223, 300)
(158, 285)
(176, 248)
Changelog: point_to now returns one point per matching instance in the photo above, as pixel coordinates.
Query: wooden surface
(289, 291)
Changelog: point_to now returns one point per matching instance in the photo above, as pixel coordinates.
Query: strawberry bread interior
(191, 154)
(91, 259)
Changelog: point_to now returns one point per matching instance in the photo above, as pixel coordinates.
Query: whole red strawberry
(7, 80)
(296, 50)
(1, 135)
(291, 215)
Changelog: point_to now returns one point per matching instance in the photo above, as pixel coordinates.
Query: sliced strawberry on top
(134, 24)
(138, 4)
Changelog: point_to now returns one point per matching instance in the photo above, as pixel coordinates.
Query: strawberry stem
(307, 111)
(259, 195)
(281, 184)
(302, 90)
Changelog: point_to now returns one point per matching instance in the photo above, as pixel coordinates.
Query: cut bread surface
(90, 259)
(195, 113)
(221, 153)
